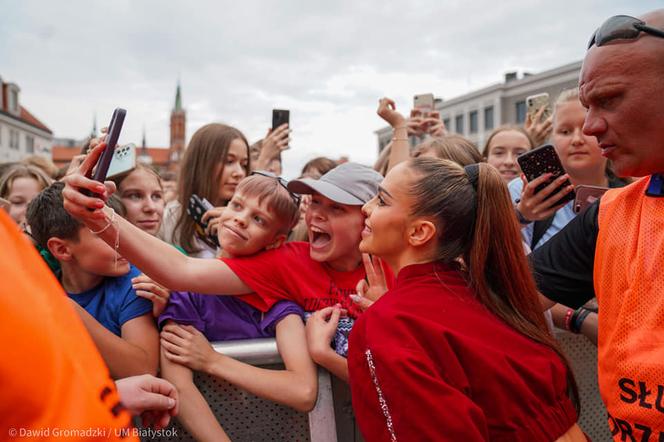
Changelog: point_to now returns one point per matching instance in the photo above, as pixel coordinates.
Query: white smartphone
(536, 102)
(124, 160)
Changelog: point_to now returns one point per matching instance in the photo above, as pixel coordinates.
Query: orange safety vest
(54, 385)
(629, 283)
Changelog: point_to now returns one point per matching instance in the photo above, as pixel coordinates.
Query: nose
(577, 137)
(367, 208)
(150, 205)
(238, 171)
(594, 125)
(510, 158)
(240, 218)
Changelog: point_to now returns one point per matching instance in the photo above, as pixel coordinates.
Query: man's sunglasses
(294, 196)
(621, 27)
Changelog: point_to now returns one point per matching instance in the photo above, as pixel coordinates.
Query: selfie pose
(458, 349)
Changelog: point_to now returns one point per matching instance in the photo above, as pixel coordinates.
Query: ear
(421, 232)
(59, 248)
(277, 242)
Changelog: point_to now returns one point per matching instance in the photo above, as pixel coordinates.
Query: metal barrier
(582, 354)
(246, 417)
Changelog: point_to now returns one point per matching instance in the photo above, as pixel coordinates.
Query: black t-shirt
(563, 266)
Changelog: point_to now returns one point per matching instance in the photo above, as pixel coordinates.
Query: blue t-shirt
(114, 301)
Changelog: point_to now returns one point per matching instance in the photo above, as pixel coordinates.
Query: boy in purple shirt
(258, 217)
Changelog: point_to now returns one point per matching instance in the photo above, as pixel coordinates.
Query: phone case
(124, 160)
(586, 195)
(535, 102)
(425, 102)
(196, 208)
(114, 129)
(543, 160)
(279, 117)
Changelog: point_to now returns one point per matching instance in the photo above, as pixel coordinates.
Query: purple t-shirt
(225, 318)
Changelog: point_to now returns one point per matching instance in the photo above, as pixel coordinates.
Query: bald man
(615, 249)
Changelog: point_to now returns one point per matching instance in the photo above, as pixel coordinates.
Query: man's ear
(421, 232)
(59, 248)
(277, 242)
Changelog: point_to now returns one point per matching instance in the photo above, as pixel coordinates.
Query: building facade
(475, 114)
(178, 133)
(21, 133)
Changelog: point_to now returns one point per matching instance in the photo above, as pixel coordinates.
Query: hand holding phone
(547, 187)
(196, 209)
(101, 169)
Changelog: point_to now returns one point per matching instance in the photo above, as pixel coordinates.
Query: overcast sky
(328, 62)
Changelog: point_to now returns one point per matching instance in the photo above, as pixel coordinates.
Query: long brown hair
(479, 234)
(200, 175)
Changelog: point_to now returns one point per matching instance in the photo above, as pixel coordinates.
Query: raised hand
(375, 286)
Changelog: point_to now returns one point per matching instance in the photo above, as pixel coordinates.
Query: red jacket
(428, 362)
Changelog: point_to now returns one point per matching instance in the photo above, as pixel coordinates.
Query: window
(488, 118)
(520, 112)
(14, 100)
(473, 122)
(458, 124)
(29, 144)
(446, 122)
(13, 139)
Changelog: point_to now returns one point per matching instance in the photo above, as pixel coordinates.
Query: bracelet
(401, 127)
(522, 219)
(399, 139)
(578, 317)
(568, 319)
(110, 222)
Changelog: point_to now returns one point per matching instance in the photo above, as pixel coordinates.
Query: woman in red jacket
(458, 349)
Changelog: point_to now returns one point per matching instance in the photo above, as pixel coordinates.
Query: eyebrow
(382, 190)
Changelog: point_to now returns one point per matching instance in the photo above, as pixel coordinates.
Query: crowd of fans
(413, 280)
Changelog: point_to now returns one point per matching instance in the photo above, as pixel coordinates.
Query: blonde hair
(22, 171)
(451, 147)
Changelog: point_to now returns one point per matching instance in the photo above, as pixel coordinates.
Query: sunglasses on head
(294, 196)
(621, 27)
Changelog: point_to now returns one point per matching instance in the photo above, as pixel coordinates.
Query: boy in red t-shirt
(322, 274)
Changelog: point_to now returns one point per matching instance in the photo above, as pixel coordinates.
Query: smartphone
(279, 117)
(536, 102)
(196, 208)
(112, 136)
(586, 195)
(543, 160)
(124, 160)
(424, 102)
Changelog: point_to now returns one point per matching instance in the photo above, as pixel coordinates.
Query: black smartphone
(543, 160)
(279, 117)
(104, 161)
(196, 209)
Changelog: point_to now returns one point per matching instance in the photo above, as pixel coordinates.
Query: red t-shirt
(288, 272)
(427, 361)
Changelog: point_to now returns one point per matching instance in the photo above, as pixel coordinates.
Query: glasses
(621, 27)
(294, 196)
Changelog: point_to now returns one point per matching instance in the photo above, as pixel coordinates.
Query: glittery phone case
(543, 160)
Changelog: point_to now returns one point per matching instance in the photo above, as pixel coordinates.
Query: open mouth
(318, 238)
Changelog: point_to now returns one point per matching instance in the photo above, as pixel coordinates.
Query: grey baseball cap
(348, 183)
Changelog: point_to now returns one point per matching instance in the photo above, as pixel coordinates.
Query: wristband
(399, 139)
(522, 219)
(568, 319)
(578, 317)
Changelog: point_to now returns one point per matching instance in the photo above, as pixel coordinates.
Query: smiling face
(234, 169)
(579, 153)
(248, 226)
(387, 222)
(142, 196)
(621, 86)
(503, 150)
(23, 190)
(334, 232)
